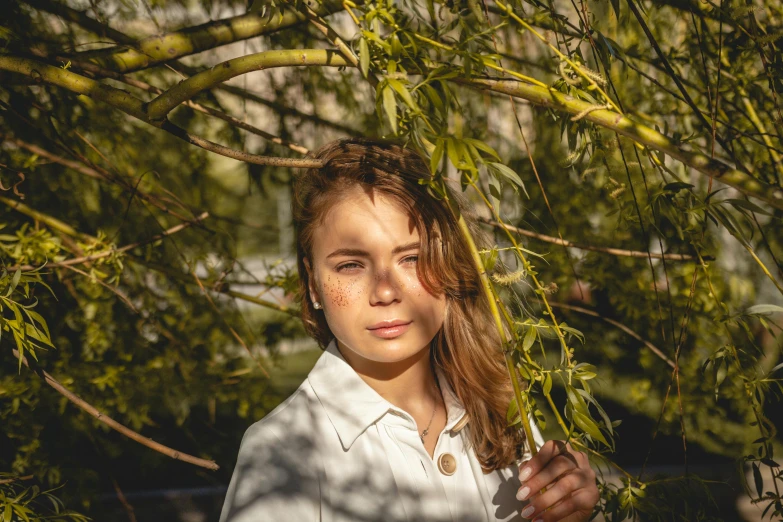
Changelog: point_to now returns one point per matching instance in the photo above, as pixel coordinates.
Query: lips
(389, 329)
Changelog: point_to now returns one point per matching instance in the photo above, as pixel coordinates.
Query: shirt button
(447, 464)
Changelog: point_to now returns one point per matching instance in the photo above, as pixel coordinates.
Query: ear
(311, 286)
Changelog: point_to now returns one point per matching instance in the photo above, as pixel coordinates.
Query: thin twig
(120, 250)
(108, 421)
(582, 246)
(654, 349)
(124, 298)
(15, 479)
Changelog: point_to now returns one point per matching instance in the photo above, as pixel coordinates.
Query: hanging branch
(133, 82)
(95, 172)
(132, 106)
(64, 228)
(155, 50)
(638, 132)
(158, 108)
(113, 424)
(83, 20)
(650, 346)
(120, 250)
(581, 246)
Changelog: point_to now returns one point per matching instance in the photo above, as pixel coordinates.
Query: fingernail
(525, 473)
(523, 493)
(527, 511)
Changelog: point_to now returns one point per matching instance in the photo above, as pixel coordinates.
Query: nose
(385, 288)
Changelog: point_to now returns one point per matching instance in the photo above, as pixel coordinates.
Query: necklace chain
(434, 408)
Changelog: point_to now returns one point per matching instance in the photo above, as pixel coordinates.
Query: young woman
(403, 417)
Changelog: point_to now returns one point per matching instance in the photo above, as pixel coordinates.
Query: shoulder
(274, 473)
(275, 424)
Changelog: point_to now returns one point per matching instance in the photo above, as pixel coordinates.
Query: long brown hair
(467, 347)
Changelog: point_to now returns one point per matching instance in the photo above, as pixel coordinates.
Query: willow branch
(654, 349)
(120, 250)
(155, 50)
(670, 71)
(493, 303)
(58, 225)
(49, 221)
(15, 479)
(132, 106)
(144, 86)
(279, 108)
(187, 89)
(82, 19)
(218, 287)
(93, 411)
(581, 246)
(95, 172)
(238, 155)
(99, 28)
(547, 97)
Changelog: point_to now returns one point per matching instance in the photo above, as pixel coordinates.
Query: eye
(411, 259)
(348, 266)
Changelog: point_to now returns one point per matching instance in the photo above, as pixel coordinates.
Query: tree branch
(100, 28)
(582, 246)
(120, 250)
(90, 409)
(58, 225)
(654, 349)
(131, 105)
(101, 174)
(158, 108)
(155, 50)
(547, 97)
(82, 19)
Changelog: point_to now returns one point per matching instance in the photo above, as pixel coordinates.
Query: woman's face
(363, 272)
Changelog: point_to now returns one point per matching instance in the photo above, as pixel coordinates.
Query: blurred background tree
(632, 148)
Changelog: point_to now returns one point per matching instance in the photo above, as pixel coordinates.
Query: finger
(559, 465)
(580, 501)
(545, 454)
(560, 490)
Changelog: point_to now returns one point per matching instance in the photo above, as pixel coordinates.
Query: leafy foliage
(646, 156)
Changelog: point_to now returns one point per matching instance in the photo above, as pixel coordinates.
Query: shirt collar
(353, 406)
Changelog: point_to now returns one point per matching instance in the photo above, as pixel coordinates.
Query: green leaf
(390, 106)
(530, 338)
(588, 426)
(746, 205)
(759, 482)
(547, 384)
(403, 92)
(677, 186)
(512, 415)
(482, 146)
(437, 155)
(14, 281)
(763, 309)
(509, 174)
(364, 57)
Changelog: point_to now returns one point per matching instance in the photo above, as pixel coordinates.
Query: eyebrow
(355, 252)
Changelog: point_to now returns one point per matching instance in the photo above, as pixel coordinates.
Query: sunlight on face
(363, 272)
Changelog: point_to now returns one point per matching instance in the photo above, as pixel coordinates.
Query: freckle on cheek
(339, 294)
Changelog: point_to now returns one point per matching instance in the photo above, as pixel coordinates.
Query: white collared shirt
(336, 451)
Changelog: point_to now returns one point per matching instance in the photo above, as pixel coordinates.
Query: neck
(408, 384)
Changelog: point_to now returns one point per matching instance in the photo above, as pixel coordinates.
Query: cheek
(413, 285)
(341, 291)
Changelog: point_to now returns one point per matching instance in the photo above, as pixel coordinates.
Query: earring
(316, 305)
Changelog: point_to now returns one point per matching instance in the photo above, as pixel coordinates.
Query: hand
(571, 492)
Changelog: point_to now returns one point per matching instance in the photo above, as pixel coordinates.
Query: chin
(391, 350)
